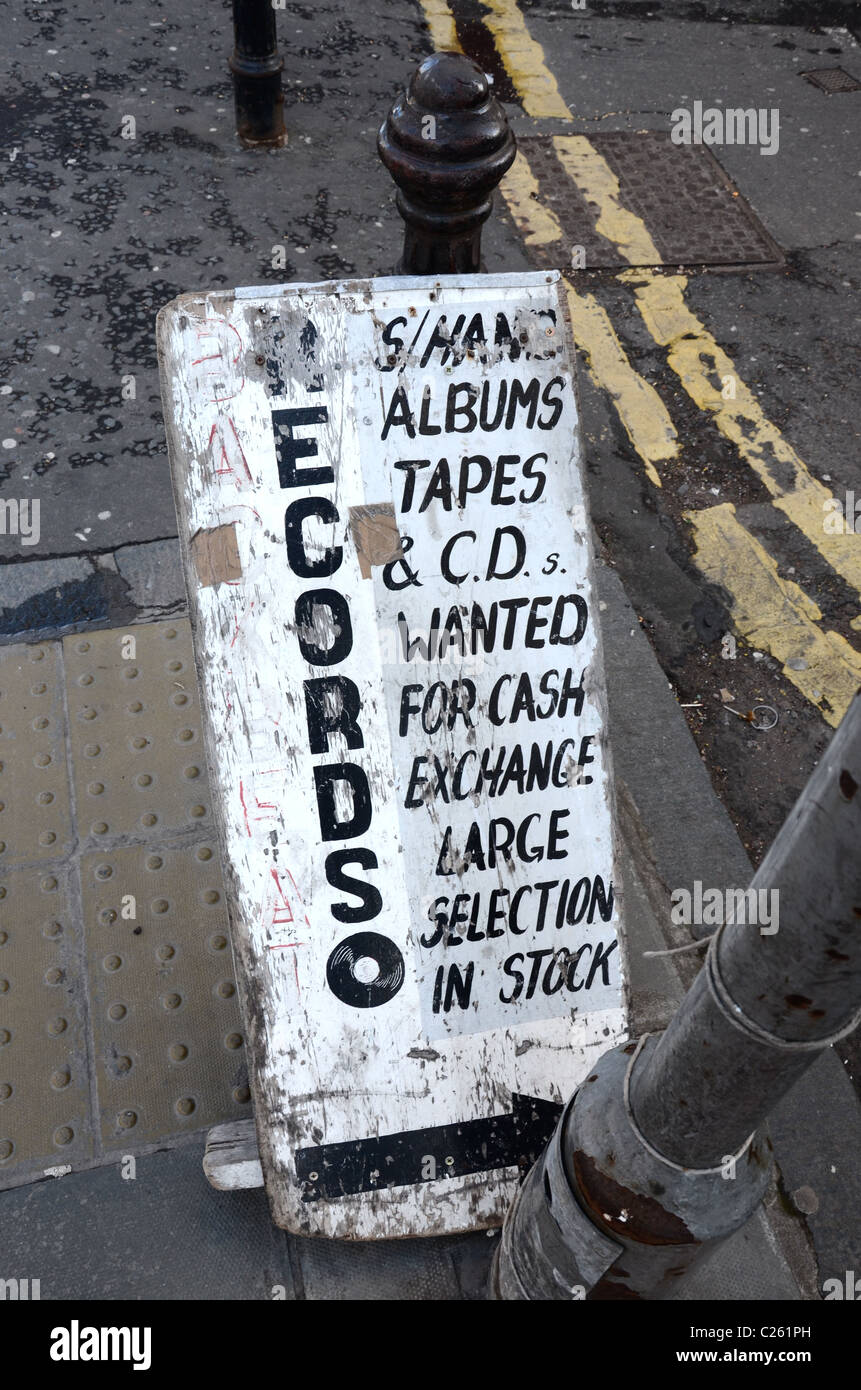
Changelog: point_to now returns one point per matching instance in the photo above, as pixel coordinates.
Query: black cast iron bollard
(661, 1154)
(446, 144)
(256, 68)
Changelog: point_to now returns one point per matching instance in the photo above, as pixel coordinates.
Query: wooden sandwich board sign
(380, 496)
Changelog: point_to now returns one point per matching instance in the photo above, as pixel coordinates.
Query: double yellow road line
(773, 614)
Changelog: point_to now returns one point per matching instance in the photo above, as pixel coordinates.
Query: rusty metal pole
(256, 67)
(661, 1152)
(446, 143)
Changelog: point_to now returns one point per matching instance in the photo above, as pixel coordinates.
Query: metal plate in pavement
(694, 213)
(832, 80)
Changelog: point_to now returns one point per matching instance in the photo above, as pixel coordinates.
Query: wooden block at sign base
(232, 1159)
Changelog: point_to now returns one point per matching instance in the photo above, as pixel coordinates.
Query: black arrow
(426, 1155)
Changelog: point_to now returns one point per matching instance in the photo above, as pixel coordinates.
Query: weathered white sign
(380, 493)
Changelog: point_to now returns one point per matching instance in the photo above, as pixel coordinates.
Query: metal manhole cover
(832, 80)
(693, 212)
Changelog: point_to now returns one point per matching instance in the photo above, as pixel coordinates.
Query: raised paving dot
(168, 1035)
(134, 724)
(45, 1118)
(35, 813)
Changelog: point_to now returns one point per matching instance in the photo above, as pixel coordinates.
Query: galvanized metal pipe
(766, 1004)
(661, 1153)
(256, 67)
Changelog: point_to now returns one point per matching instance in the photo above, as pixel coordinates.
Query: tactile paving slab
(694, 213)
(169, 1046)
(44, 1084)
(119, 1022)
(35, 810)
(134, 724)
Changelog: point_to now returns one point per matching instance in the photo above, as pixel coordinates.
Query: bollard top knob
(446, 143)
(447, 136)
(448, 82)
